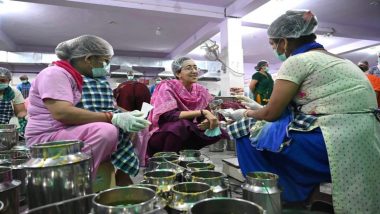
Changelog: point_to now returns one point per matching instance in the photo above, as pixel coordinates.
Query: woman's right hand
(211, 118)
(130, 121)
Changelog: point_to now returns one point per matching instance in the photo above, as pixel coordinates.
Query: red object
(69, 68)
(130, 95)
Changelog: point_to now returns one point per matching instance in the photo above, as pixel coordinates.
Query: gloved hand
(130, 121)
(237, 114)
(213, 132)
(252, 105)
(243, 98)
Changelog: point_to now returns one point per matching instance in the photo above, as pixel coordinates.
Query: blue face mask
(101, 72)
(282, 57)
(3, 86)
(266, 69)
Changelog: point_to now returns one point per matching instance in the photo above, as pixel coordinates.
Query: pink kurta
(56, 83)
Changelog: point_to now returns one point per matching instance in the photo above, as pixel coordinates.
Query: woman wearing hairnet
(11, 100)
(261, 84)
(180, 119)
(322, 107)
(56, 92)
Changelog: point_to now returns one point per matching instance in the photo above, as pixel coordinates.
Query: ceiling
(131, 25)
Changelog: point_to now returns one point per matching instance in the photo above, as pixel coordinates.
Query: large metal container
(225, 206)
(164, 180)
(166, 163)
(9, 192)
(262, 188)
(197, 166)
(218, 146)
(57, 171)
(231, 146)
(164, 154)
(125, 200)
(189, 156)
(216, 180)
(184, 195)
(8, 136)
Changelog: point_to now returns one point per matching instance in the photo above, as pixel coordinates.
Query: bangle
(109, 116)
(202, 114)
(245, 114)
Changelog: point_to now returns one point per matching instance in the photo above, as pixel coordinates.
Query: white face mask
(130, 77)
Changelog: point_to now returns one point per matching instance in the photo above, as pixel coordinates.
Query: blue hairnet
(86, 45)
(177, 64)
(5, 73)
(293, 24)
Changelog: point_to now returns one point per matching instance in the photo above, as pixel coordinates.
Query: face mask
(157, 82)
(3, 86)
(130, 77)
(282, 57)
(266, 69)
(101, 72)
(24, 81)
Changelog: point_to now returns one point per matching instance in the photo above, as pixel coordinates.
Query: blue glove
(130, 121)
(213, 132)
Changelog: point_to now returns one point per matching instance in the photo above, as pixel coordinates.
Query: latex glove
(130, 121)
(252, 105)
(243, 98)
(213, 132)
(238, 114)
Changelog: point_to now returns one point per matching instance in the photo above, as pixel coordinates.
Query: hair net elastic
(5, 73)
(260, 64)
(177, 64)
(293, 24)
(85, 45)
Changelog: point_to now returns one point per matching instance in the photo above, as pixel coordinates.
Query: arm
(252, 84)
(283, 93)
(19, 110)
(66, 113)
(197, 113)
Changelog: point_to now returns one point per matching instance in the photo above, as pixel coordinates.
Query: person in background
(261, 84)
(180, 117)
(24, 86)
(374, 80)
(375, 70)
(319, 125)
(131, 94)
(56, 91)
(157, 81)
(11, 101)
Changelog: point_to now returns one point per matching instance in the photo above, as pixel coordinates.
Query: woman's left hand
(211, 119)
(204, 125)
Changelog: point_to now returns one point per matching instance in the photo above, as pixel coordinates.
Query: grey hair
(5, 73)
(85, 45)
(177, 64)
(293, 24)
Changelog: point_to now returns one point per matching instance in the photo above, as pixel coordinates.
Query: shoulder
(256, 75)
(18, 96)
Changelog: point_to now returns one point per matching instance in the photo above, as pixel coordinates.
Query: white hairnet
(177, 64)
(83, 46)
(5, 73)
(293, 24)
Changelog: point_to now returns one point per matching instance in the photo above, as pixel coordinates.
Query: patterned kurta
(97, 96)
(341, 96)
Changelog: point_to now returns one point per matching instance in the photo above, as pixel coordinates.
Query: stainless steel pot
(57, 171)
(231, 146)
(9, 191)
(125, 200)
(164, 154)
(216, 180)
(8, 136)
(167, 163)
(184, 195)
(197, 166)
(261, 188)
(218, 146)
(226, 206)
(164, 180)
(189, 156)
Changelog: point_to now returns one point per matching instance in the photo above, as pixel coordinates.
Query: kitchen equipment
(184, 195)
(9, 191)
(125, 200)
(197, 166)
(163, 179)
(57, 171)
(164, 154)
(216, 180)
(226, 206)
(8, 136)
(189, 156)
(218, 146)
(261, 188)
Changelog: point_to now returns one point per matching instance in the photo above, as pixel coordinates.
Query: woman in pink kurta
(57, 89)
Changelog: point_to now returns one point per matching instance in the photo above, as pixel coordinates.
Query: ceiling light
(158, 31)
